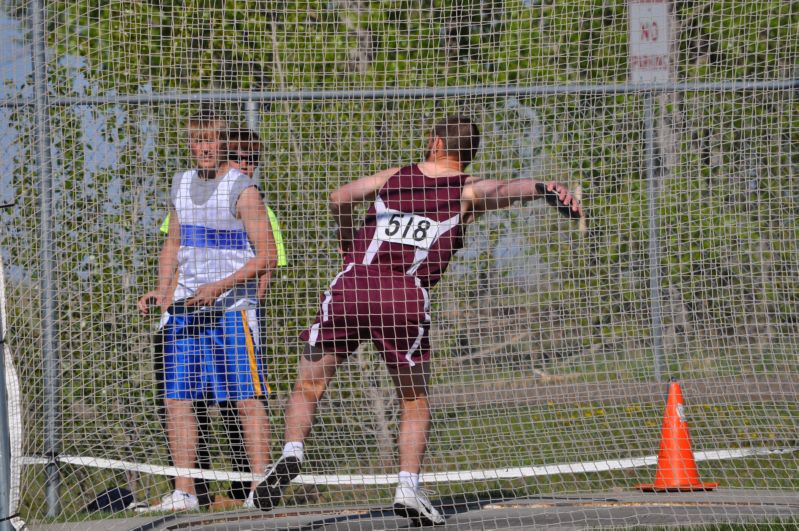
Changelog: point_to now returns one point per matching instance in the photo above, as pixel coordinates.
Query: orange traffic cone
(676, 466)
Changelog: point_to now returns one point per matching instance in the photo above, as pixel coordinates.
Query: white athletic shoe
(175, 501)
(412, 503)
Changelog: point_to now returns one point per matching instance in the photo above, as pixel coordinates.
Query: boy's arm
(485, 195)
(252, 212)
(343, 199)
(168, 261)
(167, 269)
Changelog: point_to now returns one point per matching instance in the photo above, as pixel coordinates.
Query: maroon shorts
(367, 302)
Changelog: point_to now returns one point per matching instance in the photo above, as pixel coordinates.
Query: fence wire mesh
(552, 342)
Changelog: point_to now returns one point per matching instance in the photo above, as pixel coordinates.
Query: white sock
(409, 478)
(294, 449)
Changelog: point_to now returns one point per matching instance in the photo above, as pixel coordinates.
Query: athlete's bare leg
(181, 429)
(409, 500)
(411, 383)
(315, 372)
(255, 428)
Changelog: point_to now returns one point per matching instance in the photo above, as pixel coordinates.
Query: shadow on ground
(499, 510)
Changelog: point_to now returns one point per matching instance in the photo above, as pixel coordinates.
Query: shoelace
(424, 495)
(271, 468)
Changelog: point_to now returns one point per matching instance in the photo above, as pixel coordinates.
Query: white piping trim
(314, 335)
(420, 336)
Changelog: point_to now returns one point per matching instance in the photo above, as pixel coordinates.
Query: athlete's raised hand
(557, 194)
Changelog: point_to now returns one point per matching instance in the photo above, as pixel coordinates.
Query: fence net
(552, 341)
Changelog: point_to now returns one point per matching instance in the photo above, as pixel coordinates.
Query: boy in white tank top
(219, 243)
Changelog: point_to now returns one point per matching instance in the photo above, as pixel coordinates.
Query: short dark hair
(460, 135)
(240, 139)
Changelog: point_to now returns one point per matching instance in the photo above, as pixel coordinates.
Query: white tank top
(213, 243)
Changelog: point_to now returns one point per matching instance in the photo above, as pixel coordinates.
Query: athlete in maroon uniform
(411, 231)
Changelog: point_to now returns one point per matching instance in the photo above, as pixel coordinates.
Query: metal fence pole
(51, 382)
(654, 249)
(5, 436)
(253, 120)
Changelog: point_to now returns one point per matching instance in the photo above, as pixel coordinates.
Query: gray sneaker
(412, 503)
(269, 492)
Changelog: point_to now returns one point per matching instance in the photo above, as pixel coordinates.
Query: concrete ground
(623, 509)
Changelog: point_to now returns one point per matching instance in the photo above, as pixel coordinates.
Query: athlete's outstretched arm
(343, 199)
(485, 195)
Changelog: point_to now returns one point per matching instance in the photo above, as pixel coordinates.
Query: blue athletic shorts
(213, 356)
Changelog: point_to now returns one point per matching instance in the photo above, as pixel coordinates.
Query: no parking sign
(649, 41)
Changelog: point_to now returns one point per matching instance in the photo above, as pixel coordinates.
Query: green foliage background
(529, 296)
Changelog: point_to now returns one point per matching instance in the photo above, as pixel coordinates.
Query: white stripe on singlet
(374, 245)
(421, 254)
(325, 308)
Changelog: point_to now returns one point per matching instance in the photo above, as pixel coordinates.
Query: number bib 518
(407, 229)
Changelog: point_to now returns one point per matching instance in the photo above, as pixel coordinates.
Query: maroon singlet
(409, 235)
